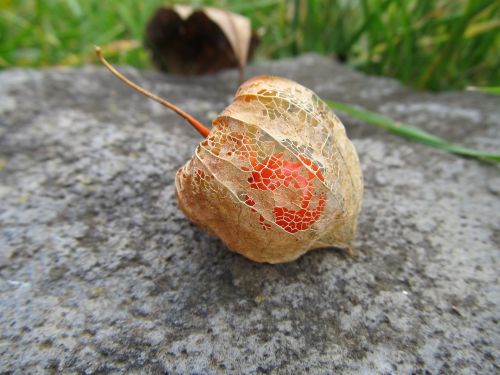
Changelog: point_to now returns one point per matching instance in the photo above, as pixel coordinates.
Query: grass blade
(410, 132)
(485, 89)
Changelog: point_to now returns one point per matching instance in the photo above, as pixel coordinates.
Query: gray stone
(101, 273)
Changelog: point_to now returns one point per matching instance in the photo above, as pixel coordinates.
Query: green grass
(431, 44)
(486, 90)
(411, 133)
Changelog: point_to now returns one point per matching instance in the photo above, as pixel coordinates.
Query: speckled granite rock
(101, 273)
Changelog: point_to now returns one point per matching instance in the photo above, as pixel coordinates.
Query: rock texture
(101, 273)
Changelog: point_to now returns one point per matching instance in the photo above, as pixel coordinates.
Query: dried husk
(191, 40)
(276, 177)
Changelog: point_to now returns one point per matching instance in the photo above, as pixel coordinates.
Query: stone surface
(101, 273)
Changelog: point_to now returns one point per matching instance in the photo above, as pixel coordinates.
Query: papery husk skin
(277, 175)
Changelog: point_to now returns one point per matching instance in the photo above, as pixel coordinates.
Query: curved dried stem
(195, 123)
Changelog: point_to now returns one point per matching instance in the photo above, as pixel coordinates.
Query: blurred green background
(428, 44)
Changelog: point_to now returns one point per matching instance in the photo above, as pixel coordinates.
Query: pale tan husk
(276, 177)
